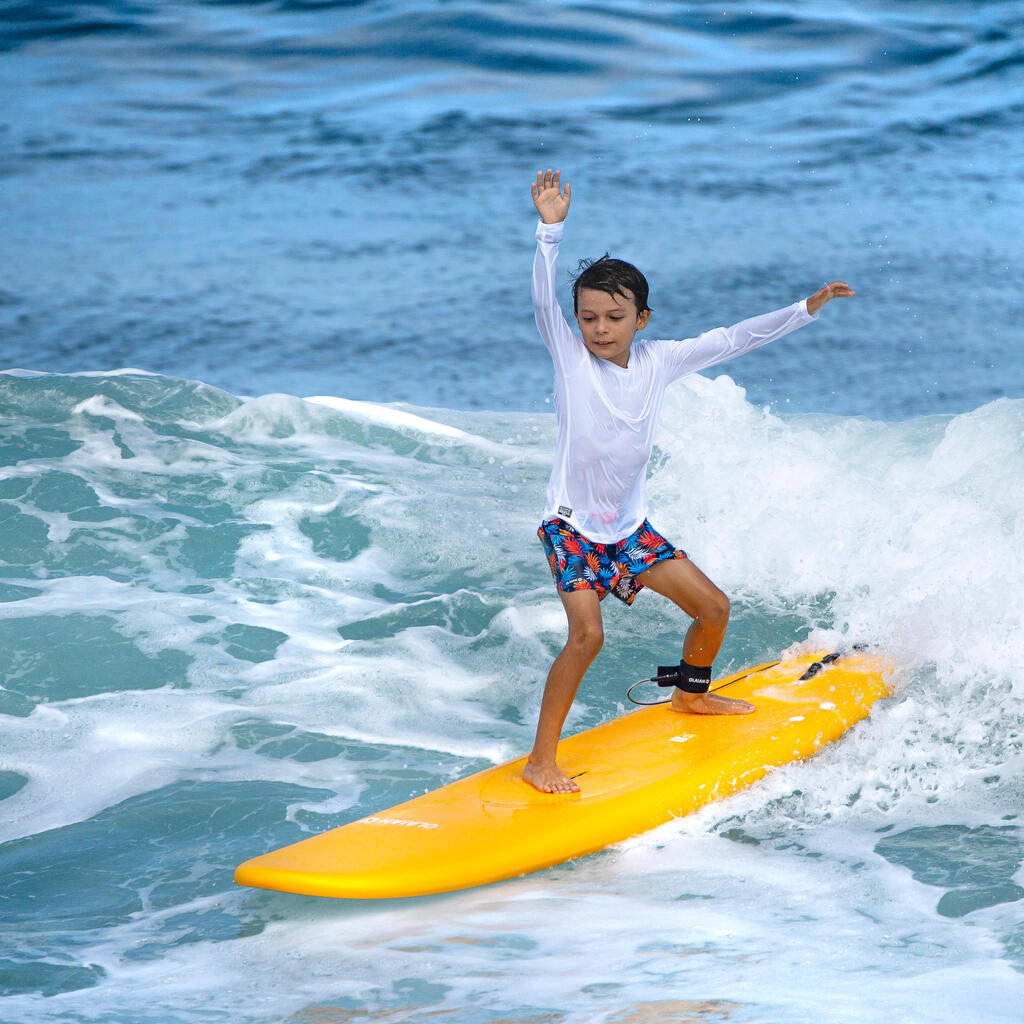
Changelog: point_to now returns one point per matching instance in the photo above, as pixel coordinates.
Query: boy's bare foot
(709, 704)
(548, 778)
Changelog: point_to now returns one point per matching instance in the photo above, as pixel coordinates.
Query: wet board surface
(635, 772)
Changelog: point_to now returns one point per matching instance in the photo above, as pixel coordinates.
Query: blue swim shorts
(580, 564)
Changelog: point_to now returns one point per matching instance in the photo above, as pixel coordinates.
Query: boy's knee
(587, 640)
(716, 611)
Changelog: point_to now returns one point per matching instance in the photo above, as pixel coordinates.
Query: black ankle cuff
(688, 678)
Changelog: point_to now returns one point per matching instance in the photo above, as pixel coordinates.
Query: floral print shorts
(580, 564)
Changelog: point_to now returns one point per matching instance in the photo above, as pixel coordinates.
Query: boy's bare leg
(681, 581)
(586, 635)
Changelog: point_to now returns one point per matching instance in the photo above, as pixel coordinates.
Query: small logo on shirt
(564, 510)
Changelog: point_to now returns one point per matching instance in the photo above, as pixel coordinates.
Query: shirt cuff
(810, 315)
(550, 232)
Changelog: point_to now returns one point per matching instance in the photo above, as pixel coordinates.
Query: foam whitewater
(229, 623)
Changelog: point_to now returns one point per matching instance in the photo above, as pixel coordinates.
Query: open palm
(551, 202)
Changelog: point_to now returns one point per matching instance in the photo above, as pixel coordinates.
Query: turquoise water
(233, 613)
(230, 624)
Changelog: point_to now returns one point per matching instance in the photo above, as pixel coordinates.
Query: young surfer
(608, 394)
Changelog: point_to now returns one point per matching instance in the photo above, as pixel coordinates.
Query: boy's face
(608, 323)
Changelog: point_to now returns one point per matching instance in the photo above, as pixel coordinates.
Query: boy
(608, 394)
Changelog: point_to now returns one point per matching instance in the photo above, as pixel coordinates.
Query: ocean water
(275, 435)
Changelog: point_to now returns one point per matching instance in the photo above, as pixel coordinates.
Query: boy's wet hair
(615, 277)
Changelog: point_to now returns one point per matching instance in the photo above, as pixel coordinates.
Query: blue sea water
(276, 430)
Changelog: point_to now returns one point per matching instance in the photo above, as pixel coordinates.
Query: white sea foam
(915, 528)
(389, 416)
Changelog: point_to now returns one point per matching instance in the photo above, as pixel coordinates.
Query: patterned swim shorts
(580, 564)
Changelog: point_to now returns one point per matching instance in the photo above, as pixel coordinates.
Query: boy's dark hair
(611, 276)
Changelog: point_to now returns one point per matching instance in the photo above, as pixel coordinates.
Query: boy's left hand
(835, 290)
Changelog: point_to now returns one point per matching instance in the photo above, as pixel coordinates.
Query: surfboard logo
(375, 820)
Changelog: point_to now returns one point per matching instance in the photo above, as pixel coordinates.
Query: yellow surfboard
(634, 773)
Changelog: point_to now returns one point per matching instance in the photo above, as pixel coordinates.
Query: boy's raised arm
(551, 202)
(552, 205)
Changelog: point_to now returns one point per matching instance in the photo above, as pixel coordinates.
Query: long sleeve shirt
(607, 414)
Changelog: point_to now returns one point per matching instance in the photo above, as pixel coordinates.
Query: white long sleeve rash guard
(607, 414)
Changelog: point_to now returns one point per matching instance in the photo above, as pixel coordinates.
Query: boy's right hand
(552, 204)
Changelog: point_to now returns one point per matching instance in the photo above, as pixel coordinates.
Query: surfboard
(635, 772)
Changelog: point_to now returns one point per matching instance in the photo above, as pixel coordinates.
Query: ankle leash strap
(689, 678)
